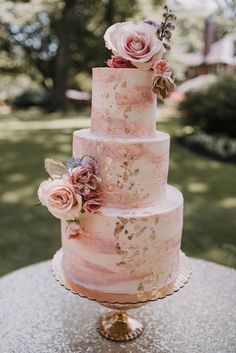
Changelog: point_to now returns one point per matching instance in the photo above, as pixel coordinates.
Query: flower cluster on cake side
(141, 45)
(71, 190)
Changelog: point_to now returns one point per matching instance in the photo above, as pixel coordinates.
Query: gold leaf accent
(125, 176)
(131, 185)
(118, 229)
(147, 280)
(156, 220)
(132, 220)
(124, 254)
(121, 263)
(132, 247)
(153, 235)
(145, 249)
(141, 231)
(108, 160)
(118, 248)
(123, 220)
(136, 172)
(136, 253)
(135, 205)
(140, 287)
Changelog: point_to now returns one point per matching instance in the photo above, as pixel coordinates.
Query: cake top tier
(123, 104)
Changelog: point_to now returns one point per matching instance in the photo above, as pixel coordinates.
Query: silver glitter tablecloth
(37, 315)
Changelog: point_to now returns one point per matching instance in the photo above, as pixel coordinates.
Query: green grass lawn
(30, 234)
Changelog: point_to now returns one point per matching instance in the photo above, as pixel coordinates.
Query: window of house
(234, 48)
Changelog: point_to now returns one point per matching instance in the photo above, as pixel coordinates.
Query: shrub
(29, 99)
(212, 109)
(222, 148)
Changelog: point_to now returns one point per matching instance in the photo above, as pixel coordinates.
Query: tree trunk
(65, 33)
(109, 12)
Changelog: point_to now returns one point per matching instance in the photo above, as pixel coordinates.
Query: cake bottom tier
(125, 251)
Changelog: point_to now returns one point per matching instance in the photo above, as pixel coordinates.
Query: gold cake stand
(118, 325)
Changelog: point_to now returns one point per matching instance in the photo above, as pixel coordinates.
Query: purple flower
(153, 23)
(72, 163)
(87, 161)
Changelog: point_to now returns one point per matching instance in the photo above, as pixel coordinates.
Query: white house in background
(216, 58)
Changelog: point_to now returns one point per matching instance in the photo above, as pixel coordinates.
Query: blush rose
(135, 42)
(93, 202)
(59, 196)
(160, 67)
(83, 179)
(117, 62)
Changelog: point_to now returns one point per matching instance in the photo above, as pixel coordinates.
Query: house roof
(223, 51)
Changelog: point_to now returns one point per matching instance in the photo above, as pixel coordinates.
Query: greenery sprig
(167, 26)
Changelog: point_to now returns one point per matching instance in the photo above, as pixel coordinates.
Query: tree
(65, 37)
(53, 41)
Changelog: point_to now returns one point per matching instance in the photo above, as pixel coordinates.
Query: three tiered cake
(121, 221)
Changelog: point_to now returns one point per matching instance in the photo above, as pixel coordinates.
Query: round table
(37, 315)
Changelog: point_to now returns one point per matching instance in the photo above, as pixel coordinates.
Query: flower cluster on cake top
(142, 45)
(71, 190)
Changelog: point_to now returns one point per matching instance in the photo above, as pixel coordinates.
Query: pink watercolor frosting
(133, 171)
(117, 250)
(123, 104)
(132, 244)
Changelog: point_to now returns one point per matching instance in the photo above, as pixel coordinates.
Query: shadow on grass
(30, 234)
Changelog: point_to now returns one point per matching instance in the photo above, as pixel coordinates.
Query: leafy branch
(167, 26)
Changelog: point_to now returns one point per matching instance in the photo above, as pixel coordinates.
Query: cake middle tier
(133, 171)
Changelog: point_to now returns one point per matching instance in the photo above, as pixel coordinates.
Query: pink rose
(72, 230)
(135, 42)
(59, 196)
(80, 175)
(93, 202)
(83, 179)
(118, 62)
(160, 67)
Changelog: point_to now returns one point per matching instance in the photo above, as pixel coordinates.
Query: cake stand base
(118, 326)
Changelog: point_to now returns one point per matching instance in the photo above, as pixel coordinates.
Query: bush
(219, 147)
(212, 109)
(33, 99)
